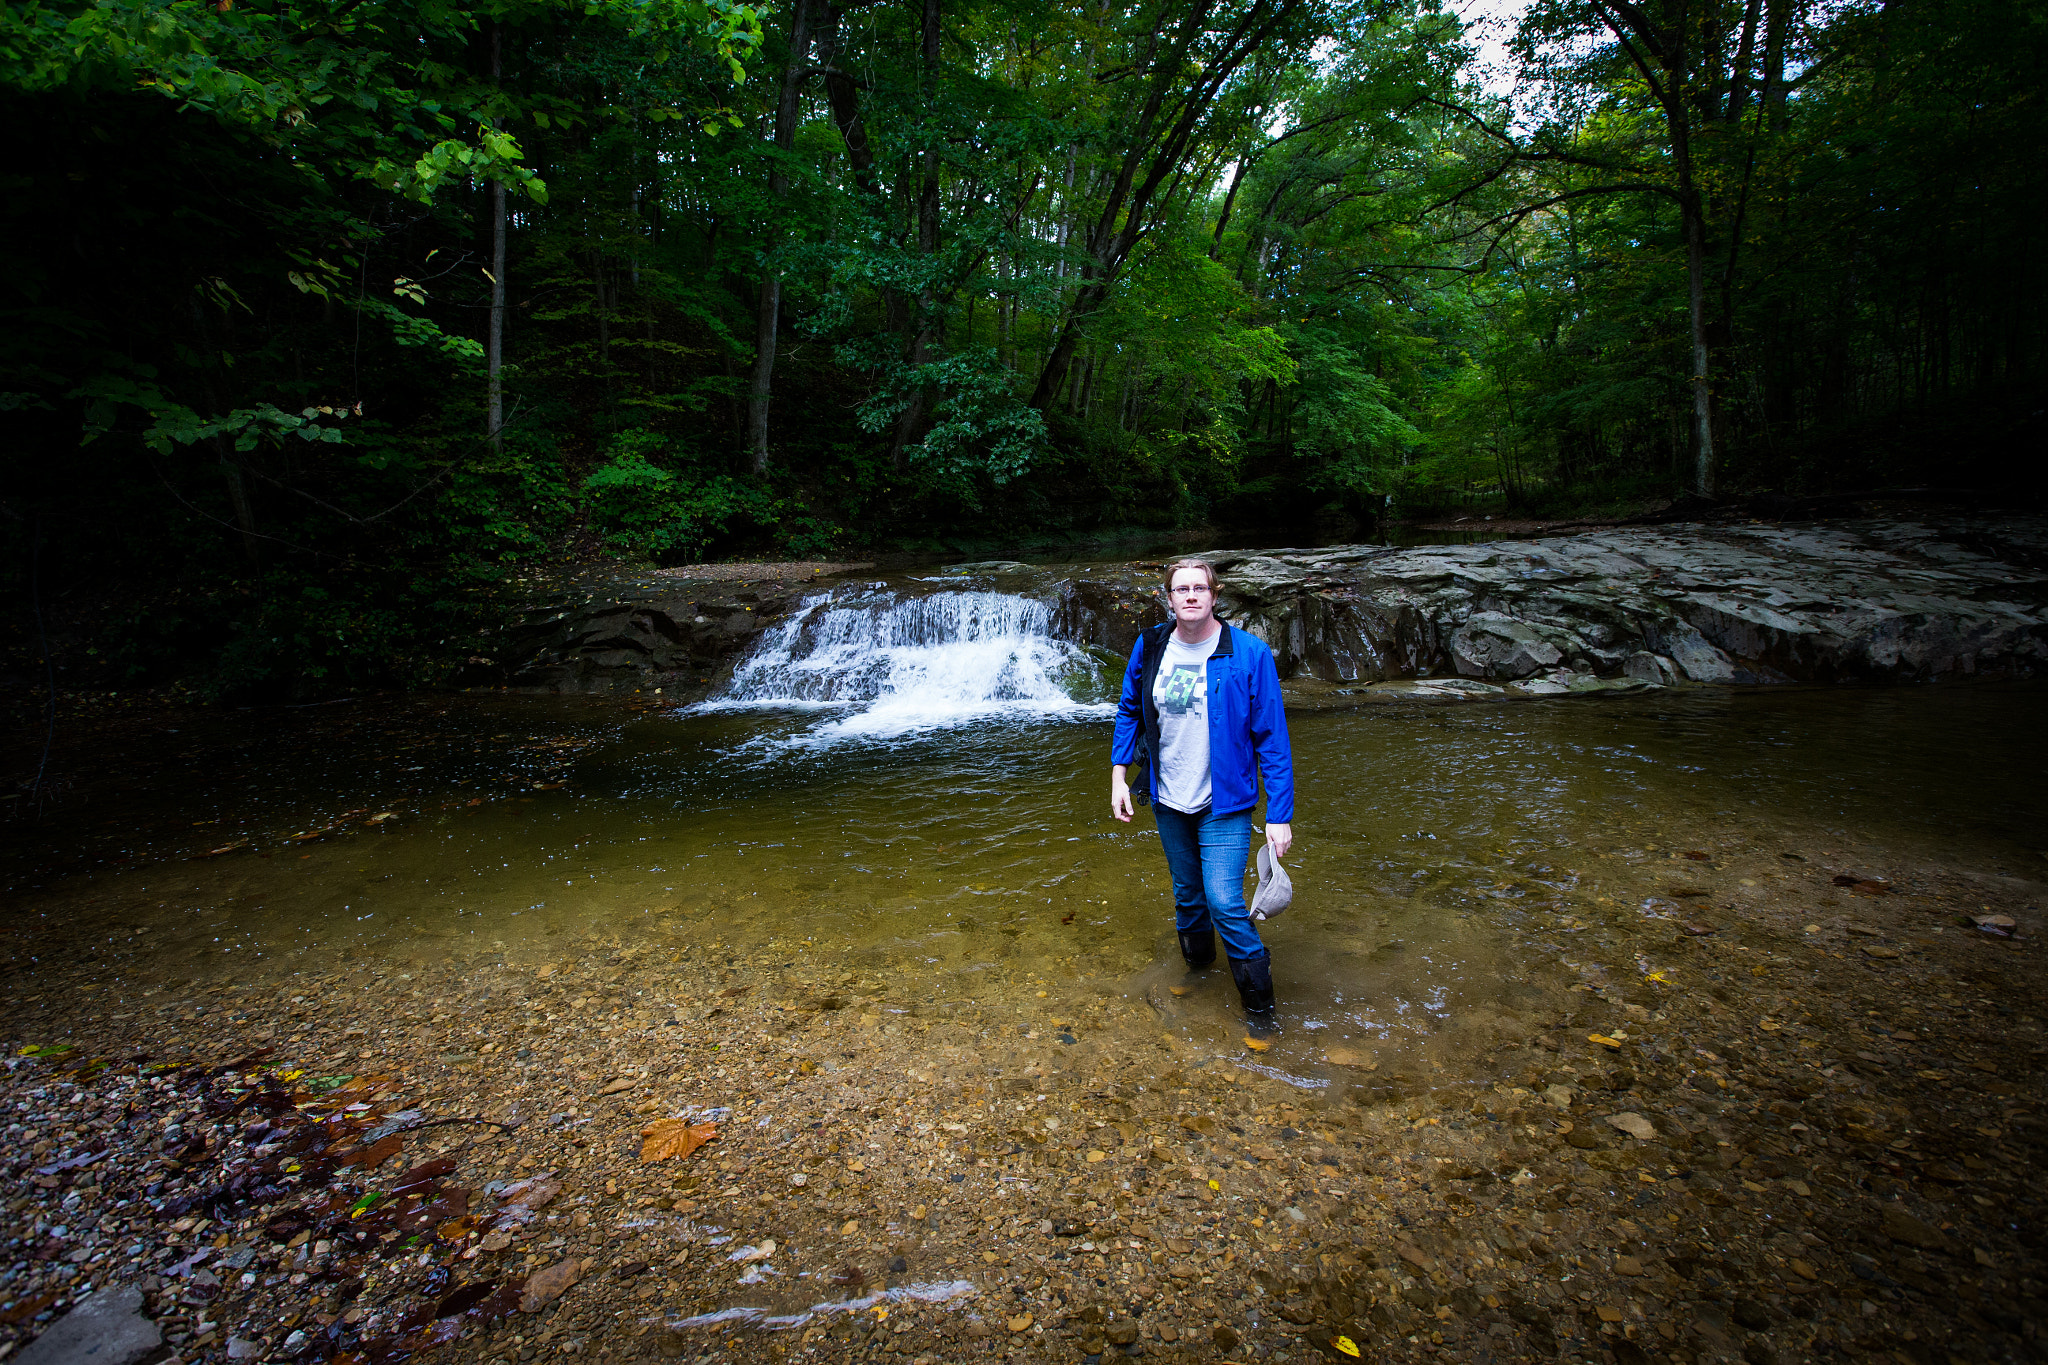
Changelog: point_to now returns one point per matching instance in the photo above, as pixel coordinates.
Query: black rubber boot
(1254, 978)
(1199, 949)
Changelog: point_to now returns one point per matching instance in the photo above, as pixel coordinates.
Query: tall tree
(1695, 67)
(1181, 69)
(768, 314)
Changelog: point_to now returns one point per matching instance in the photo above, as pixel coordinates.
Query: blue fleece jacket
(1247, 728)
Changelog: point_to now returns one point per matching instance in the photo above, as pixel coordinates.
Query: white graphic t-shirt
(1180, 691)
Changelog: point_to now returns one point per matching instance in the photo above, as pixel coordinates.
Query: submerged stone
(106, 1328)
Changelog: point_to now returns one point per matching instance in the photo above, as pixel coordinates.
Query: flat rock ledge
(1619, 608)
(1883, 601)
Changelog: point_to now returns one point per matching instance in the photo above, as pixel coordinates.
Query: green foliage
(1085, 268)
(172, 424)
(669, 516)
(979, 425)
(1344, 416)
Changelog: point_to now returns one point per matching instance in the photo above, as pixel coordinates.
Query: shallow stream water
(1456, 867)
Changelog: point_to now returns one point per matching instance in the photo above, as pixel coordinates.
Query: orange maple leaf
(665, 1138)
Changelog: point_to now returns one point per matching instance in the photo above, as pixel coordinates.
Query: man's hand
(1281, 837)
(1120, 795)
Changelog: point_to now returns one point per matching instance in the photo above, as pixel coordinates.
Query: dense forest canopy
(321, 314)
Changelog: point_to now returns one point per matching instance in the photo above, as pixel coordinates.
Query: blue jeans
(1207, 854)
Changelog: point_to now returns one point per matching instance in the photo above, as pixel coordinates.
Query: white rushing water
(888, 666)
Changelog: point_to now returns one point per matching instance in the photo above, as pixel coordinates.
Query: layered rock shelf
(1867, 601)
(1878, 601)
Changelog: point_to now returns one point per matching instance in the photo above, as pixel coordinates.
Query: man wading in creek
(1203, 700)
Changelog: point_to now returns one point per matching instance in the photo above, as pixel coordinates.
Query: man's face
(1194, 603)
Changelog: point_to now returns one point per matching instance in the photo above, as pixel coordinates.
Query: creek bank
(1874, 601)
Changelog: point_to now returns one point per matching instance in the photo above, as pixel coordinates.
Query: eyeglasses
(1191, 589)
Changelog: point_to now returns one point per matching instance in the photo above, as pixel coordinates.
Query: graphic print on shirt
(1183, 689)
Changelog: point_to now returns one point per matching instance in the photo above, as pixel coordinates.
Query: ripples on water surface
(1456, 867)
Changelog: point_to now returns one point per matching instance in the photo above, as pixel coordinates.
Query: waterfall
(892, 665)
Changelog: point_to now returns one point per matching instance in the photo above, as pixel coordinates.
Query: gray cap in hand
(1276, 888)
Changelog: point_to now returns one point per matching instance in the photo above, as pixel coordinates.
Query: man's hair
(1208, 572)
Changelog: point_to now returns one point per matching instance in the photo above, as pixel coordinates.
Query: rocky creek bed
(1810, 1133)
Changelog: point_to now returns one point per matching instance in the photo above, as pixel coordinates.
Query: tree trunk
(1702, 376)
(238, 498)
(1662, 57)
(910, 426)
(1772, 96)
(494, 419)
(843, 95)
(761, 385)
(1066, 223)
(1229, 199)
(1003, 314)
(768, 312)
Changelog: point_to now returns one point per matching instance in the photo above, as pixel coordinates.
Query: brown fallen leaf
(531, 1194)
(457, 1230)
(28, 1308)
(665, 1138)
(375, 1155)
(543, 1287)
(1635, 1125)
